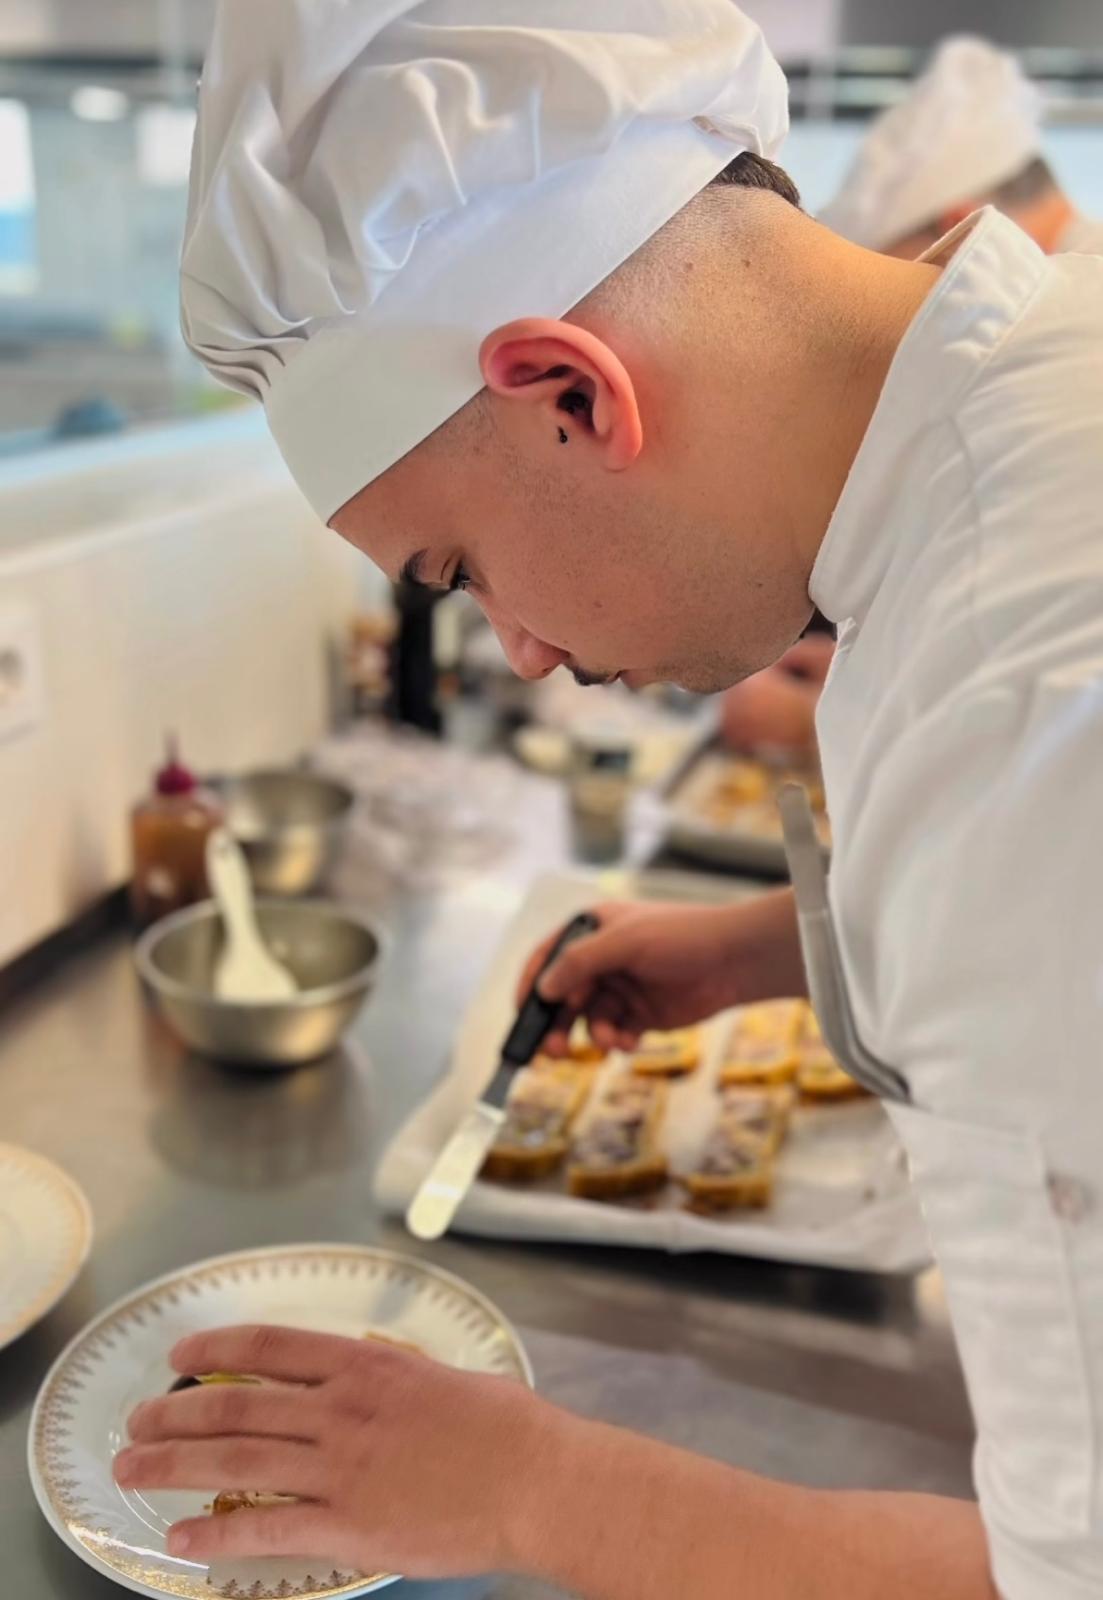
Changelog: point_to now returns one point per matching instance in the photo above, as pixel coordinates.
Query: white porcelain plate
(45, 1234)
(79, 1417)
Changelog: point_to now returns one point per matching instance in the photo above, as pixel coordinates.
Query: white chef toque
(970, 122)
(378, 184)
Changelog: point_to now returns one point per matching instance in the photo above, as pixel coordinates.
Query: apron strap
(820, 948)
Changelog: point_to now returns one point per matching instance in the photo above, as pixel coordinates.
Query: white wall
(179, 585)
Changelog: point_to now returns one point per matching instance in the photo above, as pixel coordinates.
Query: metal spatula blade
(454, 1171)
(820, 946)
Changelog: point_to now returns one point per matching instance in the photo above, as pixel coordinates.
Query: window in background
(93, 197)
(18, 256)
(165, 135)
(93, 102)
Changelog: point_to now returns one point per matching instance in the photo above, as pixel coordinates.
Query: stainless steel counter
(830, 1378)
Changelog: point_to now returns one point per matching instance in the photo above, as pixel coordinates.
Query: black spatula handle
(536, 1016)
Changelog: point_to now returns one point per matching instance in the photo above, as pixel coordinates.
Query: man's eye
(460, 579)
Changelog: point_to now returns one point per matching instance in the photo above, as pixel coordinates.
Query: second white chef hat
(377, 184)
(970, 122)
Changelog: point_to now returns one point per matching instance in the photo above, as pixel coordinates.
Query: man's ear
(572, 376)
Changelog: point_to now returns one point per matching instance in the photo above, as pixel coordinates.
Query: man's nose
(529, 656)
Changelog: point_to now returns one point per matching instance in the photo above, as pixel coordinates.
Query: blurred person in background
(774, 711)
(967, 134)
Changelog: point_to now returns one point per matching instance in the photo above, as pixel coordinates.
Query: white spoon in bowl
(246, 971)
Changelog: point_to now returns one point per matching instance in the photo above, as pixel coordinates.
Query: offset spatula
(455, 1169)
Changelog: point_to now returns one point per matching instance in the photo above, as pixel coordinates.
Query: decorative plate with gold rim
(121, 1358)
(45, 1234)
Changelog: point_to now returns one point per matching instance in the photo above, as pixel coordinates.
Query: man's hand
(402, 1465)
(664, 966)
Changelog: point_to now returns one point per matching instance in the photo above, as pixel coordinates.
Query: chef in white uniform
(532, 313)
(967, 133)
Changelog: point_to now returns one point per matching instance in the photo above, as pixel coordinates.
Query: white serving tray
(842, 1197)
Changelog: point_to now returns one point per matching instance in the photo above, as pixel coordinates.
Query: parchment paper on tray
(841, 1197)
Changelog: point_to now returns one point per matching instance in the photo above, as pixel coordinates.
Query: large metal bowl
(332, 955)
(289, 824)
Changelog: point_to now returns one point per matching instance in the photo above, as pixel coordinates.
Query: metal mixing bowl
(332, 955)
(290, 825)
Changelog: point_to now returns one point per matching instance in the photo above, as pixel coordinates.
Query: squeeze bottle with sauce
(168, 840)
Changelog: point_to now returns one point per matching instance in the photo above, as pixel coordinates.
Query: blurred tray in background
(720, 809)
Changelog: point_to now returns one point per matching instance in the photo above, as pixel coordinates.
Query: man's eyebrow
(411, 570)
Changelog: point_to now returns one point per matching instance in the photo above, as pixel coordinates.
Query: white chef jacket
(962, 737)
(1084, 235)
